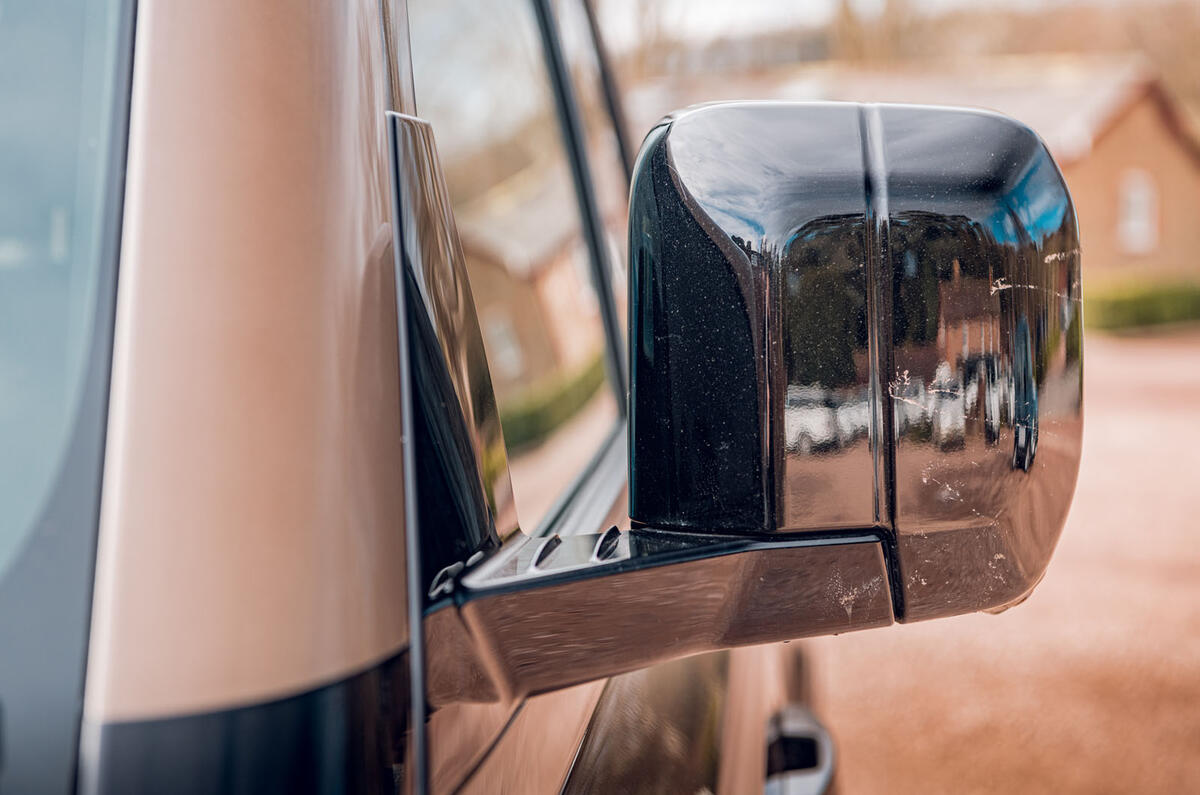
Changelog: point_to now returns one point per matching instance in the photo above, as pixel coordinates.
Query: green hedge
(530, 419)
(1135, 306)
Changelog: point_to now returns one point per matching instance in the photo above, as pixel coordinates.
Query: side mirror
(851, 318)
(855, 396)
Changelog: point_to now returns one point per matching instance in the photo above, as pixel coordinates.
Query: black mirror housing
(858, 318)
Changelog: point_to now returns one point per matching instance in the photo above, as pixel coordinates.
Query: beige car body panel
(251, 540)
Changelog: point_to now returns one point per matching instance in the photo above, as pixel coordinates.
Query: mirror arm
(549, 612)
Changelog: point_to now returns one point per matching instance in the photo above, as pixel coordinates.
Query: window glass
(609, 178)
(52, 171)
(482, 82)
(60, 95)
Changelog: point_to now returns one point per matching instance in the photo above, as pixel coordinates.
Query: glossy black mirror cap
(859, 316)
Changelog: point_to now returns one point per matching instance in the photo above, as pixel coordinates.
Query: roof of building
(524, 221)
(1070, 100)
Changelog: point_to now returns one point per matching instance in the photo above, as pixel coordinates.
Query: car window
(609, 178)
(48, 258)
(482, 83)
(62, 92)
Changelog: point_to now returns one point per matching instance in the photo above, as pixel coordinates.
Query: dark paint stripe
(349, 736)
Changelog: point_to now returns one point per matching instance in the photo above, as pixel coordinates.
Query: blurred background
(1093, 685)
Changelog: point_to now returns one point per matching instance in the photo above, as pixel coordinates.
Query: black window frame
(591, 496)
(577, 507)
(575, 142)
(583, 505)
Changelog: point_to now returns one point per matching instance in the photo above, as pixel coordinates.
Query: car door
(514, 95)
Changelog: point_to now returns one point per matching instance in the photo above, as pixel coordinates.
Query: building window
(1137, 213)
(507, 359)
